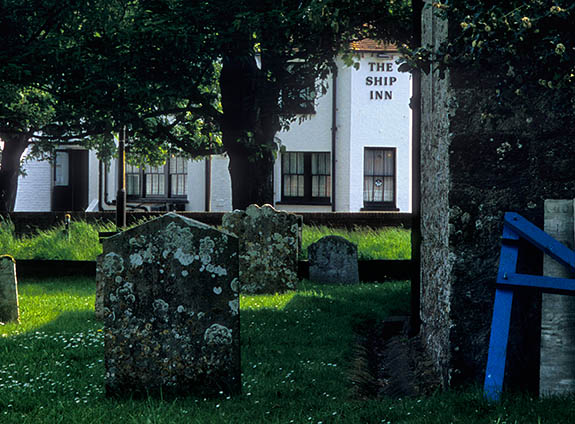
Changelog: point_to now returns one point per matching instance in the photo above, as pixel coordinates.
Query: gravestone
(9, 311)
(268, 245)
(333, 260)
(99, 304)
(171, 307)
(557, 370)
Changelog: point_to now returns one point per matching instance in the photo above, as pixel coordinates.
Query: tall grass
(382, 243)
(82, 244)
(296, 356)
(385, 243)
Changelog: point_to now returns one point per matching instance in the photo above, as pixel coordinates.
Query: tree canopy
(529, 46)
(175, 73)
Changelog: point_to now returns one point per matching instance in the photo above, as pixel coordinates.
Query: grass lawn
(296, 352)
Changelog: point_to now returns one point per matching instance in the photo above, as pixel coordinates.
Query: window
(162, 182)
(306, 177)
(379, 178)
(61, 169)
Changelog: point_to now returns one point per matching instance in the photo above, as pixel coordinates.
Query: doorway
(70, 182)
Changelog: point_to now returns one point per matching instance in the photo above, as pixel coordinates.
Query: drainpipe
(333, 136)
(415, 321)
(121, 194)
(208, 184)
(103, 188)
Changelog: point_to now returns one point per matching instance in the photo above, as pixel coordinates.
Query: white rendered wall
(380, 122)
(35, 188)
(196, 185)
(343, 147)
(221, 196)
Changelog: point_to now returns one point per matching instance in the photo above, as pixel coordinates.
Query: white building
(351, 153)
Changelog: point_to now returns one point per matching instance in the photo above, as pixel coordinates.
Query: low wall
(369, 271)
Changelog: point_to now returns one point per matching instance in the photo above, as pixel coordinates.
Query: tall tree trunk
(247, 139)
(14, 147)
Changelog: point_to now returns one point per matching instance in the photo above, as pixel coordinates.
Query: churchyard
(297, 351)
(302, 352)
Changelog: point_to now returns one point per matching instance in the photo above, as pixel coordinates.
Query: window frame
(307, 198)
(142, 176)
(381, 205)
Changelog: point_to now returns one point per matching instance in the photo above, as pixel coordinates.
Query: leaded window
(379, 177)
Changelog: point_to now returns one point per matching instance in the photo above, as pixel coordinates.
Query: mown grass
(296, 353)
(384, 243)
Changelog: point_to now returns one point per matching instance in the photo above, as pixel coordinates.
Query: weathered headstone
(99, 305)
(171, 306)
(268, 243)
(9, 311)
(333, 260)
(557, 371)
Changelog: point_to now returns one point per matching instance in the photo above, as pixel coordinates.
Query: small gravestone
(171, 307)
(269, 241)
(9, 311)
(333, 260)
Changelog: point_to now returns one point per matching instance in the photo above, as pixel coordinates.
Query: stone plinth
(333, 260)
(9, 311)
(557, 371)
(268, 242)
(171, 307)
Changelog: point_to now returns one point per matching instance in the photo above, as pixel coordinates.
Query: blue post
(495, 370)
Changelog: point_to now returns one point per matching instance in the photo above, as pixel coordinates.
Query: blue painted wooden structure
(516, 227)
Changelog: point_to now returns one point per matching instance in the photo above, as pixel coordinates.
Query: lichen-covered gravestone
(171, 307)
(333, 260)
(99, 304)
(269, 243)
(9, 311)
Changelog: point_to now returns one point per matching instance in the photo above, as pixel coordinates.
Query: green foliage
(384, 243)
(528, 46)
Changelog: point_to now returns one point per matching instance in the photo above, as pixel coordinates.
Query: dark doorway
(70, 191)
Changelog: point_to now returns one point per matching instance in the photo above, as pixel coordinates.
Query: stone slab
(269, 245)
(9, 310)
(171, 307)
(557, 370)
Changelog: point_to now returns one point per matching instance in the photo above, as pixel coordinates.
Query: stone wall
(474, 170)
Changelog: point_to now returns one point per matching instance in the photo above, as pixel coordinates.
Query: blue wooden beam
(495, 370)
(540, 239)
(547, 284)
